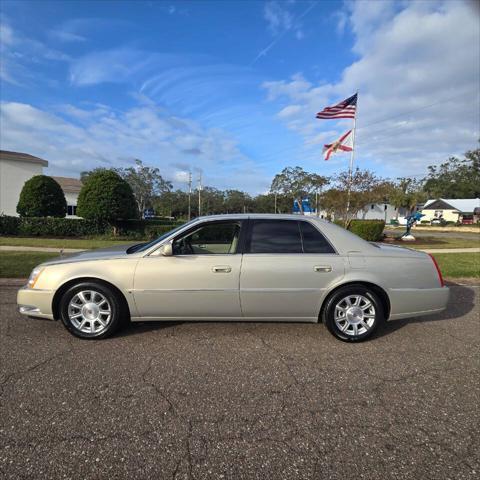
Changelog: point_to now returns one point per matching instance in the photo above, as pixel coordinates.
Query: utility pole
(199, 194)
(189, 195)
(275, 202)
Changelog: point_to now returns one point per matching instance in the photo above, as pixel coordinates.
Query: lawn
(20, 264)
(456, 265)
(439, 242)
(85, 243)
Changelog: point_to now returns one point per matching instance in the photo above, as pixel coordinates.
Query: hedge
(69, 227)
(370, 230)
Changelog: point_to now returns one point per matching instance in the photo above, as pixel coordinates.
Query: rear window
(313, 240)
(275, 236)
(286, 236)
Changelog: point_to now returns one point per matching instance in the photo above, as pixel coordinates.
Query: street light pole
(189, 195)
(199, 194)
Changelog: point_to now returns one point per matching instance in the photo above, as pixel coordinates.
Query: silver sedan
(239, 267)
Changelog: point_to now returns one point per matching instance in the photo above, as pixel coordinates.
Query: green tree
(42, 196)
(146, 183)
(297, 184)
(105, 196)
(455, 178)
(365, 189)
(407, 193)
(236, 201)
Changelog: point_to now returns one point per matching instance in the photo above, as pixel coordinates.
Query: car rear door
(201, 278)
(287, 267)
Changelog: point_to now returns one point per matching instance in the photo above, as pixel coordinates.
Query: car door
(201, 278)
(287, 268)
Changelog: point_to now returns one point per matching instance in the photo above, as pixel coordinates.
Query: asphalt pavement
(242, 400)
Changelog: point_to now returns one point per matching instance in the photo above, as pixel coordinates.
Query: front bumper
(35, 303)
(415, 302)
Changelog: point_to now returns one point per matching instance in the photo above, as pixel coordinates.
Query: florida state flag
(343, 144)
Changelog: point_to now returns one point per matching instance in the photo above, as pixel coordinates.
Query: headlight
(34, 276)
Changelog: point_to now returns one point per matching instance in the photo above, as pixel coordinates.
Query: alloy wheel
(354, 315)
(89, 312)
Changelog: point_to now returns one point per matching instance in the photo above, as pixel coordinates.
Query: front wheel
(353, 313)
(91, 310)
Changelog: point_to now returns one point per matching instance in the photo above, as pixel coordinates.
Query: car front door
(200, 280)
(287, 268)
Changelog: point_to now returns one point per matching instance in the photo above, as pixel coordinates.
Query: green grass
(456, 265)
(85, 243)
(20, 264)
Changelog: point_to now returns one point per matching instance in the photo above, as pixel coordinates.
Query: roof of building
(21, 157)
(68, 184)
(466, 205)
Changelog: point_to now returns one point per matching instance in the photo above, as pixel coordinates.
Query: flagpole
(350, 168)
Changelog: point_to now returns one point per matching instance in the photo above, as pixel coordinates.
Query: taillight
(440, 278)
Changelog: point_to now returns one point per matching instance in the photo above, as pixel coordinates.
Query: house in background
(462, 210)
(382, 211)
(71, 188)
(16, 168)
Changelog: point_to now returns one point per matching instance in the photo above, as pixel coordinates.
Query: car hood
(118, 251)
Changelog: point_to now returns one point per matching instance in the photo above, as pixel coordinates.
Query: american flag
(345, 109)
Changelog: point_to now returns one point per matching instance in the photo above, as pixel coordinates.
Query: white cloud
(19, 52)
(409, 58)
(84, 138)
(278, 17)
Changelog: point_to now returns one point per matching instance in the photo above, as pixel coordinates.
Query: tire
(92, 310)
(353, 313)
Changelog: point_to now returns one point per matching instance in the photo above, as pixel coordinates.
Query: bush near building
(370, 230)
(69, 227)
(106, 197)
(42, 196)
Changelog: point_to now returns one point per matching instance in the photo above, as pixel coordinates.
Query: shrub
(61, 227)
(51, 227)
(70, 227)
(370, 230)
(106, 197)
(9, 225)
(42, 196)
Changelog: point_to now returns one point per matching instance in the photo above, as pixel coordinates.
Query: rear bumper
(35, 303)
(413, 302)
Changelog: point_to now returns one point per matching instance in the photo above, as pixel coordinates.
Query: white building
(382, 211)
(16, 168)
(462, 210)
(71, 188)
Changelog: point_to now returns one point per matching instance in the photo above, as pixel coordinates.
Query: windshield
(141, 247)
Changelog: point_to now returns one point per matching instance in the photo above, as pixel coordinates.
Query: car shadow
(462, 302)
(135, 328)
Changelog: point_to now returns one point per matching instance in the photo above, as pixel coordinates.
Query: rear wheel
(353, 313)
(91, 310)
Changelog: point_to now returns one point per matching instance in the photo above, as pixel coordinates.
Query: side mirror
(166, 250)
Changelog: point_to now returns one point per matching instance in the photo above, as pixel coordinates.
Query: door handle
(221, 269)
(322, 268)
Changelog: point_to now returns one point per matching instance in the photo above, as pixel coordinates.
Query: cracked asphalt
(242, 400)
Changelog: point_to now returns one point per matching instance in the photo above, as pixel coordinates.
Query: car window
(313, 240)
(275, 236)
(217, 238)
(142, 247)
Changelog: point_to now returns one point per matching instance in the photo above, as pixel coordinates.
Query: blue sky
(231, 88)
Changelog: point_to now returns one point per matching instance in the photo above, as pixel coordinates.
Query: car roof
(266, 216)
